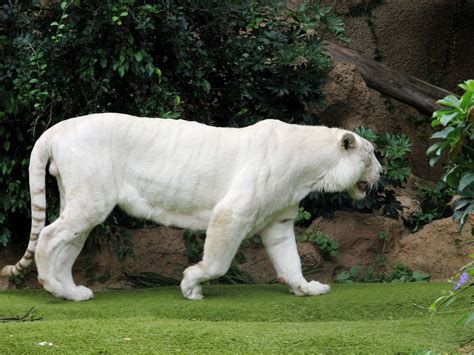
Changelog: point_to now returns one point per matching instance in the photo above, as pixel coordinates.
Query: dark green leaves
(394, 148)
(466, 180)
(457, 140)
(328, 247)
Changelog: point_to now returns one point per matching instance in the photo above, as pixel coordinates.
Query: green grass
(358, 318)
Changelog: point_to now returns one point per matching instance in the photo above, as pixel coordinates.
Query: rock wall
(349, 103)
(429, 39)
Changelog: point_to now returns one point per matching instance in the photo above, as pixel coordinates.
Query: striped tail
(37, 171)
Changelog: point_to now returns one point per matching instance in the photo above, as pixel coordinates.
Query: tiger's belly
(170, 209)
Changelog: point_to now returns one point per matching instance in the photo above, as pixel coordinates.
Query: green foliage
(17, 279)
(303, 217)
(194, 242)
(382, 235)
(218, 62)
(392, 150)
(123, 244)
(400, 273)
(463, 281)
(456, 139)
(328, 247)
(404, 273)
(434, 200)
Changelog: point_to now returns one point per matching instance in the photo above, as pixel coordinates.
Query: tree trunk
(401, 86)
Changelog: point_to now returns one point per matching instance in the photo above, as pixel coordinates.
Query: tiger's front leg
(280, 242)
(224, 235)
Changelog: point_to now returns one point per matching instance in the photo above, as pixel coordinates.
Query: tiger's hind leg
(58, 248)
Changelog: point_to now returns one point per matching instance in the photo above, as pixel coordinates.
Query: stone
(436, 249)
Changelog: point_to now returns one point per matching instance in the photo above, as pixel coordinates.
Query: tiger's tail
(37, 175)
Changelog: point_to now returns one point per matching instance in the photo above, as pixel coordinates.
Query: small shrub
(462, 282)
(434, 205)
(194, 242)
(392, 149)
(328, 247)
(401, 273)
(404, 273)
(303, 217)
(456, 139)
(122, 244)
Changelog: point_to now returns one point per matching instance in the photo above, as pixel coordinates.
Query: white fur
(231, 182)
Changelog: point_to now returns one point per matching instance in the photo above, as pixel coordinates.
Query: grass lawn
(367, 318)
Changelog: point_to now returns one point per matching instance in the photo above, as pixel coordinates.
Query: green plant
(400, 273)
(225, 63)
(434, 204)
(103, 278)
(462, 282)
(380, 260)
(303, 217)
(194, 242)
(393, 148)
(404, 273)
(384, 237)
(328, 247)
(123, 243)
(17, 279)
(456, 139)
(356, 274)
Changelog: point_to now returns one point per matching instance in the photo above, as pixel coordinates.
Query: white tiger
(231, 182)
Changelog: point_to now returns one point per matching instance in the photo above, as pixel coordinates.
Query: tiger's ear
(348, 141)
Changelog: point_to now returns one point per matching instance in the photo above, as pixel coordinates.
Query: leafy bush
(456, 139)
(434, 204)
(194, 242)
(392, 150)
(303, 218)
(217, 62)
(401, 273)
(328, 247)
(462, 282)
